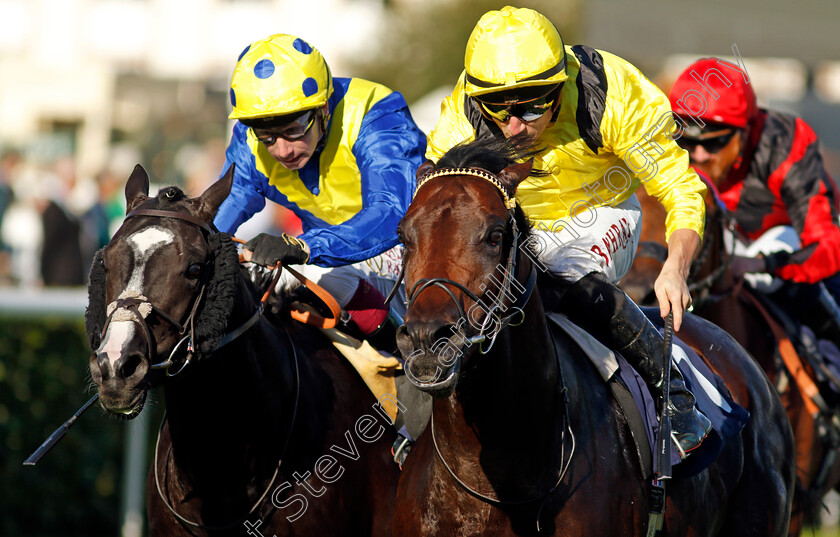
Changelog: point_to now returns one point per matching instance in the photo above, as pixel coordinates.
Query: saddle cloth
(378, 369)
(713, 398)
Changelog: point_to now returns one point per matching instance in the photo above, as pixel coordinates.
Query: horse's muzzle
(433, 352)
(120, 372)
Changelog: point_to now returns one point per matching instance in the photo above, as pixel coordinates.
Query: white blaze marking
(119, 333)
(143, 245)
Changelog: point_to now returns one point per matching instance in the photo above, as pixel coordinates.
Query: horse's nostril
(444, 333)
(130, 365)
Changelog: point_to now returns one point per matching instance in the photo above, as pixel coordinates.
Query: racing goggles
(712, 144)
(291, 131)
(529, 110)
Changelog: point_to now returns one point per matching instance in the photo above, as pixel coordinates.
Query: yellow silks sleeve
(452, 127)
(640, 133)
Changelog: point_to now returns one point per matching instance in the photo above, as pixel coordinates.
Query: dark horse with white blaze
(268, 429)
(526, 434)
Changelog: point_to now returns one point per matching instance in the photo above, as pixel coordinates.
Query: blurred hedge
(75, 489)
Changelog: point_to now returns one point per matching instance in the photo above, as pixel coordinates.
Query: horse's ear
(515, 174)
(136, 189)
(425, 168)
(215, 194)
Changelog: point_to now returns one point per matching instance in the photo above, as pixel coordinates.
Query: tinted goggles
(712, 144)
(524, 110)
(291, 131)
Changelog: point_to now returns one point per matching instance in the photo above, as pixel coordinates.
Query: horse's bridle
(496, 311)
(134, 304)
(497, 314)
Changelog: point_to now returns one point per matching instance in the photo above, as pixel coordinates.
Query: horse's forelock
(491, 154)
(170, 195)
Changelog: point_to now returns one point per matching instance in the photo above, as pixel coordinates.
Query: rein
(564, 466)
(276, 469)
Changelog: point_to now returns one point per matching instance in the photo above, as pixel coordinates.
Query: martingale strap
(510, 201)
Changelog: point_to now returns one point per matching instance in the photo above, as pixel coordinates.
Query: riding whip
(662, 458)
(58, 434)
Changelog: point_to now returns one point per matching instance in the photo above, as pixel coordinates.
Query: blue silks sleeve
(248, 193)
(388, 151)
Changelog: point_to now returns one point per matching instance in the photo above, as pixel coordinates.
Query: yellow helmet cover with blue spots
(279, 75)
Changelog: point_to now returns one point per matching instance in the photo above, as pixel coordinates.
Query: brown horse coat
(520, 437)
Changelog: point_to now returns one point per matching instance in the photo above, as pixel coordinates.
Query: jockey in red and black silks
(768, 170)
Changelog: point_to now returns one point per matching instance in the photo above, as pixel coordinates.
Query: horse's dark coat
(274, 399)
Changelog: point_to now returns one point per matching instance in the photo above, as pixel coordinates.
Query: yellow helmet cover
(513, 48)
(279, 75)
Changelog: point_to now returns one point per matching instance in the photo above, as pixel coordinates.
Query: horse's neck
(507, 404)
(233, 405)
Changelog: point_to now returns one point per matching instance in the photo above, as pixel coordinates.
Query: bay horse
(268, 430)
(719, 298)
(525, 438)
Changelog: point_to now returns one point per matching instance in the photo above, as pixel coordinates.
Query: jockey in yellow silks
(603, 130)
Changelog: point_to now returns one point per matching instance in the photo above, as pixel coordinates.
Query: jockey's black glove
(269, 249)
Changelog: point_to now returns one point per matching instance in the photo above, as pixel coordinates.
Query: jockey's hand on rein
(269, 249)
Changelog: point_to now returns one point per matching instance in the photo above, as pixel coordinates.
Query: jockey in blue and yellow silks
(340, 153)
(600, 129)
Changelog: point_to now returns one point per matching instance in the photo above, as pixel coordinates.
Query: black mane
(495, 154)
(490, 153)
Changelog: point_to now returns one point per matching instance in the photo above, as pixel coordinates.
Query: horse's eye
(401, 237)
(495, 237)
(194, 270)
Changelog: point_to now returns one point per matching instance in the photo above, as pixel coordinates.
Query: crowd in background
(52, 221)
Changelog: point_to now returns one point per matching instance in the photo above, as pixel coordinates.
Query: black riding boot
(384, 338)
(608, 314)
